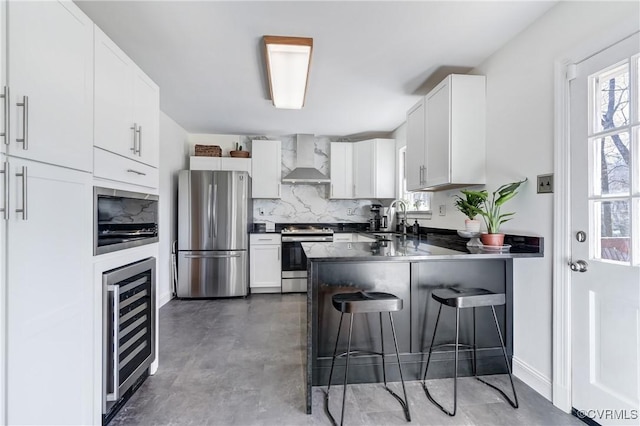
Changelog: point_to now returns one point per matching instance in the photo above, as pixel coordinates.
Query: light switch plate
(545, 184)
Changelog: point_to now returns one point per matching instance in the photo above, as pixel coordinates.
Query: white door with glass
(605, 233)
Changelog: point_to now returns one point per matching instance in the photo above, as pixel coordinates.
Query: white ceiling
(370, 61)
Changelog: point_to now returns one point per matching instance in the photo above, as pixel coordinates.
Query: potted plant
(491, 211)
(469, 206)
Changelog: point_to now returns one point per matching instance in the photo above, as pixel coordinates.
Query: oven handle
(291, 239)
(113, 394)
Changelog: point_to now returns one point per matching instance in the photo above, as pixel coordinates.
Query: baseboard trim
(532, 378)
(264, 290)
(164, 299)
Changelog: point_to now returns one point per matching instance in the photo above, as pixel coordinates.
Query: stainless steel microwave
(123, 219)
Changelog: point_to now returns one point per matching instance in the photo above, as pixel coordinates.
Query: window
(416, 201)
(614, 187)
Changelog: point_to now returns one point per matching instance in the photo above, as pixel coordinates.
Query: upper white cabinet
(266, 169)
(220, 163)
(50, 83)
(341, 163)
(374, 168)
(126, 105)
(453, 139)
(415, 155)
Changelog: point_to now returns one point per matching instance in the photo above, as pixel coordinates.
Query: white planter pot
(472, 225)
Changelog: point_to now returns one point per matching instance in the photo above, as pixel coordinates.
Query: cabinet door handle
(5, 102)
(23, 175)
(135, 138)
(5, 208)
(139, 141)
(279, 248)
(25, 122)
(279, 189)
(136, 172)
(332, 190)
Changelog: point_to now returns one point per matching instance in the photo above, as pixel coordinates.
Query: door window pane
(612, 89)
(613, 230)
(611, 165)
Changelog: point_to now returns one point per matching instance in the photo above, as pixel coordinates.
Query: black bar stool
(362, 303)
(461, 299)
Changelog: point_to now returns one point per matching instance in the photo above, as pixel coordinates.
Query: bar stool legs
(403, 403)
(457, 346)
(513, 403)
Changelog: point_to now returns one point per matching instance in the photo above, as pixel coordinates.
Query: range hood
(304, 171)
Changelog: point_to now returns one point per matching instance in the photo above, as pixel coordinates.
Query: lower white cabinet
(360, 238)
(342, 238)
(265, 271)
(49, 297)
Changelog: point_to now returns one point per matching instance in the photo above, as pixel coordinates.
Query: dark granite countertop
(432, 245)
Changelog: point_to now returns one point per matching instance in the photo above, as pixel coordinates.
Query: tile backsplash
(308, 203)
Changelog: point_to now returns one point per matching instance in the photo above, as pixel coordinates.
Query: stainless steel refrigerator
(214, 210)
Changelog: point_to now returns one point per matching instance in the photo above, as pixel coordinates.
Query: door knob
(579, 266)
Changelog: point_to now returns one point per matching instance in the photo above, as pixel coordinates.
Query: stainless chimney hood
(305, 172)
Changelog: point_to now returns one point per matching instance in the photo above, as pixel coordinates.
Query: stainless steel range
(294, 261)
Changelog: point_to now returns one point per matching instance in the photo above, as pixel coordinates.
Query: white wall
(172, 159)
(520, 131)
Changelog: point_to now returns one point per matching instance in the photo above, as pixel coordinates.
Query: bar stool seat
(461, 298)
(363, 303)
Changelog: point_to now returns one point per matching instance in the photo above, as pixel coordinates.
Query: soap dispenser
(416, 227)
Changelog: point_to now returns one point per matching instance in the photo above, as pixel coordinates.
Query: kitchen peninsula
(410, 267)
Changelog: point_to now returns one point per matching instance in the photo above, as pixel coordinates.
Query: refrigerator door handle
(209, 207)
(215, 219)
(211, 255)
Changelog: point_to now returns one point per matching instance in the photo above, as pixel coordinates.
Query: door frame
(564, 72)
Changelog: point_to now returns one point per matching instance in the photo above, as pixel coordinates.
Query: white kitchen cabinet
(453, 139)
(415, 155)
(50, 79)
(50, 299)
(455, 111)
(374, 168)
(343, 237)
(341, 164)
(108, 165)
(3, 287)
(360, 238)
(266, 169)
(126, 105)
(220, 163)
(265, 270)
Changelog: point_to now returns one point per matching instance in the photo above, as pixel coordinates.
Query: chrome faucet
(404, 209)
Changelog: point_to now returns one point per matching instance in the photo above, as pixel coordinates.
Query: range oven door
(293, 258)
(294, 268)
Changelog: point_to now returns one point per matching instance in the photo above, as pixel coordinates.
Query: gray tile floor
(240, 362)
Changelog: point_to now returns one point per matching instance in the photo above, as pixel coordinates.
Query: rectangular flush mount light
(288, 61)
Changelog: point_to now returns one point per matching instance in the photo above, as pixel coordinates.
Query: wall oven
(294, 261)
(128, 331)
(123, 219)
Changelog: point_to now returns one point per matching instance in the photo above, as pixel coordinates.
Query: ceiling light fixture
(288, 62)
